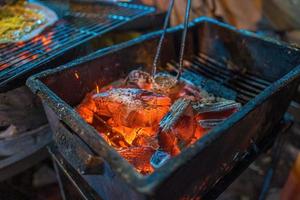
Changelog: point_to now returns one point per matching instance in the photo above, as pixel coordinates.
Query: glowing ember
(76, 75)
(149, 120)
(139, 157)
(97, 88)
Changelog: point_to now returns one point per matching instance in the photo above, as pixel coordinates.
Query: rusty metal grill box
(271, 73)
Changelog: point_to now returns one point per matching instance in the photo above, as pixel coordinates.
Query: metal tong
(183, 39)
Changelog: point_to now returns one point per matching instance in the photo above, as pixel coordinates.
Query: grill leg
(276, 152)
(61, 187)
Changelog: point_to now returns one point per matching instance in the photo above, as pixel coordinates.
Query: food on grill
(150, 119)
(22, 21)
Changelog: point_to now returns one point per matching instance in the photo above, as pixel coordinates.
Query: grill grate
(73, 29)
(247, 85)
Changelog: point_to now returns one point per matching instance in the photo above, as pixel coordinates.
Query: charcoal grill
(74, 35)
(261, 73)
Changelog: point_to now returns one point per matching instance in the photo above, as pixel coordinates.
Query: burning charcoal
(139, 157)
(159, 158)
(87, 108)
(216, 107)
(139, 79)
(115, 139)
(110, 134)
(177, 127)
(199, 133)
(140, 121)
(134, 135)
(132, 108)
(210, 123)
(169, 143)
(210, 115)
(129, 134)
(146, 141)
(176, 111)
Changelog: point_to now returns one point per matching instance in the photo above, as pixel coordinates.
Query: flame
(76, 75)
(97, 88)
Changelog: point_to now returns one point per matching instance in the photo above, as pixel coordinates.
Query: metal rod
(276, 153)
(183, 40)
(60, 183)
(161, 40)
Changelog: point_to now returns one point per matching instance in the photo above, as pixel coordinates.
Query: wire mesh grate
(72, 30)
(247, 85)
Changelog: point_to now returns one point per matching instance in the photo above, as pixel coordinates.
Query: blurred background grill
(75, 32)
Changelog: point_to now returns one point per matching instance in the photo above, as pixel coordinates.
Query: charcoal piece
(216, 107)
(139, 157)
(210, 123)
(159, 158)
(113, 137)
(176, 111)
(132, 107)
(209, 85)
(178, 127)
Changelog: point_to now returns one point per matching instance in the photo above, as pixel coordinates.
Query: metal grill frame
(83, 34)
(269, 105)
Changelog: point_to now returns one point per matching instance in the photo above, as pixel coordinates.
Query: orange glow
(41, 42)
(46, 40)
(34, 57)
(76, 75)
(97, 88)
(36, 39)
(21, 44)
(3, 66)
(129, 117)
